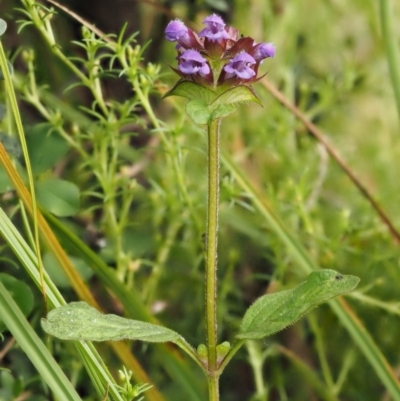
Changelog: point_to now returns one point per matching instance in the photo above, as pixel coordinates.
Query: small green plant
(107, 183)
(216, 67)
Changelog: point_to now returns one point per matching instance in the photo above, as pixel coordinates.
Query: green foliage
(59, 197)
(21, 294)
(78, 321)
(46, 147)
(205, 105)
(140, 167)
(128, 391)
(274, 312)
(57, 274)
(199, 111)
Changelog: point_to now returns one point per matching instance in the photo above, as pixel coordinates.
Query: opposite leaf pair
(269, 314)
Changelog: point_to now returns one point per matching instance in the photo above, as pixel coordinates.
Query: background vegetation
(120, 177)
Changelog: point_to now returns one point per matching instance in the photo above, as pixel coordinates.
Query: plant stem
(213, 388)
(211, 256)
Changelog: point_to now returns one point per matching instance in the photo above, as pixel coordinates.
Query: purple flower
(263, 50)
(176, 30)
(191, 62)
(202, 55)
(215, 28)
(240, 66)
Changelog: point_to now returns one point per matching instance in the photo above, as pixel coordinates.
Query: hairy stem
(213, 388)
(211, 256)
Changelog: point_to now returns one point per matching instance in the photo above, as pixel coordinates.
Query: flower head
(218, 55)
(215, 28)
(191, 62)
(240, 66)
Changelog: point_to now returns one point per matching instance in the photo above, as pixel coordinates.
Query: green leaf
(10, 69)
(222, 110)
(58, 196)
(192, 91)
(21, 294)
(30, 343)
(80, 322)
(46, 148)
(198, 110)
(238, 94)
(3, 26)
(273, 312)
(27, 338)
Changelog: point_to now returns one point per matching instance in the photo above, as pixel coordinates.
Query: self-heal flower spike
(215, 28)
(240, 66)
(217, 67)
(191, 62)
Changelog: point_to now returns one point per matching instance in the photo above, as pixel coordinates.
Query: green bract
(205, 105)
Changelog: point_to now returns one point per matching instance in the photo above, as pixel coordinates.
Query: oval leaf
(3, 26)
(46, 147)
(191, 90)
(58, 196)
(21, 293)
(273, 312)
(198, 111)
(78, 321)
(238, 94)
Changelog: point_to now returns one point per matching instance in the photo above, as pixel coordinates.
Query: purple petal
(244, 73)
(243, 57)
(214, 19)
(240, 66)
(193, 55)
(215, 28)
(175, 30)
(204, 70)
(192, 62)
(263, 51)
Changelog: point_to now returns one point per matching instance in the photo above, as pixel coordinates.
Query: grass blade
(34, 348)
